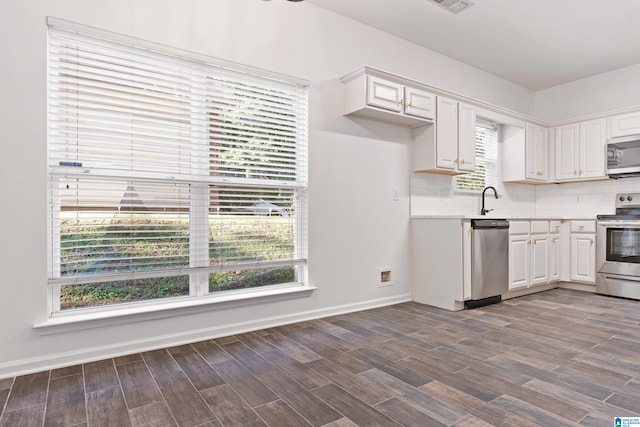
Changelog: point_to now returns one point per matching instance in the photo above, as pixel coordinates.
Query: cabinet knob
(580, 172)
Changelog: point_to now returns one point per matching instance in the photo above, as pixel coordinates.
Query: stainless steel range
(618, 249)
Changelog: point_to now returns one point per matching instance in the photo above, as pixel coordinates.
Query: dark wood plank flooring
(556, 358)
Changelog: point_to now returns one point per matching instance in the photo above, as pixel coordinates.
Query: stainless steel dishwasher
(489, 261)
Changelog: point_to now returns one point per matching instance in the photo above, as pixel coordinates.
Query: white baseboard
(59, 360)
(586, 287)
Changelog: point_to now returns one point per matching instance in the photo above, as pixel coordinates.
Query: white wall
(604, 92)
(355, 226)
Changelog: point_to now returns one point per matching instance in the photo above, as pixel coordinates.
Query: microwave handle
(619, 224)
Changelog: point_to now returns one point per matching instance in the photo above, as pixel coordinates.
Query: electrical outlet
(384, 277)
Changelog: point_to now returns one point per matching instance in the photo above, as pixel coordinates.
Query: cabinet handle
(575, 172)
(591, 241)
(581, 227)
(455, 161)
(462, 162)
(580, 172)
(400, 102)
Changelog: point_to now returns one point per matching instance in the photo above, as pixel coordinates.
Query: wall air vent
(453, 6)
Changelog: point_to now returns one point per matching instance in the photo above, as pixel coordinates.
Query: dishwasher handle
(480, 224)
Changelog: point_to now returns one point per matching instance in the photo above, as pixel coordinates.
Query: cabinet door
(539, 259)
(542, 153)
(625, 124)
(554, 257)
(419, 103)
(384, 94)
(446, 133)
(466, 138)
(593, 139)
(518, 261)
(567, 139)
(536, 158)
(583, 258)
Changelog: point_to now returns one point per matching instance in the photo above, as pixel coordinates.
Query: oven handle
(619, 224)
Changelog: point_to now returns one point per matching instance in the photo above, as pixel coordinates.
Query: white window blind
(162, 165)
(486, 159)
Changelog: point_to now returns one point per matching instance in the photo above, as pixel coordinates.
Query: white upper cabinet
(567, 152)
(525, 154)
(537, 149)
(466, 137)
(447, 134)
(593, 141)
(580, 150)
(625, 124)
(448, 146)
(376, 95)
(384, 94)
(419, 103)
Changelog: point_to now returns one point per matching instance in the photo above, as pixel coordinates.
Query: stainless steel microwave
(623, 156)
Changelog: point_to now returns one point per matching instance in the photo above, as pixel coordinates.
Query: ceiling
(535, 43)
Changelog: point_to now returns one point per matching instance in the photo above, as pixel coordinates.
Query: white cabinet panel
(384, 94)
(519, 260)
(466, 138)
(625, 124)
(539, 259)
(567, 149)
(593, 139)
(583, 257)
(554, 257)
(419, 103)
(447, 133)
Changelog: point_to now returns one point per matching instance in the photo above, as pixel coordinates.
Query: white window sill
(134, 312)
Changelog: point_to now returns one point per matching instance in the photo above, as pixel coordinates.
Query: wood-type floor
(556, 358)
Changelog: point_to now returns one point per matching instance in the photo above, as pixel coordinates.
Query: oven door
(618, 248)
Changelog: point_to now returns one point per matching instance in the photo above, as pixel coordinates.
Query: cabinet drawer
(583, 226)
(538, 227)
(518, 227)
(554, 227)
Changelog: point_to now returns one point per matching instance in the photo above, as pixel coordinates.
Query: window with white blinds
(485, 172)
(169, 175)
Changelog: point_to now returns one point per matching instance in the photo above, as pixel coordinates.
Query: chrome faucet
(484, 211)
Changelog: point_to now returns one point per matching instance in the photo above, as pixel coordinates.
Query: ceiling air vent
(453, 6)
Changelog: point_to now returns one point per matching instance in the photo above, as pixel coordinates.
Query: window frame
(198, 210)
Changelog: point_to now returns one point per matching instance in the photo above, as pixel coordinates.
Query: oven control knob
(629, 198)
(621, 198)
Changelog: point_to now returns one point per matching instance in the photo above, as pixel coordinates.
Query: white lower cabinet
(583, 251)
(534, 254)
(441, 255)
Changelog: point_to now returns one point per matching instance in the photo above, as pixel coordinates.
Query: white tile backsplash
(433, 194)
